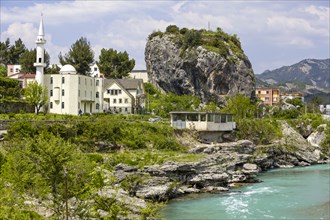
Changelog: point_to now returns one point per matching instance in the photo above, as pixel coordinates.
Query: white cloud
(125, 25)
(26, 31)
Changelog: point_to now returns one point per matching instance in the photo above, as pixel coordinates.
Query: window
(126, 109)
(79, 80)
(203, 117)
(62, 105)
(119, 109)
(85, 82)
(91, 82)
(95, 68)
(85, 94)
(111, 91)
(259, 92)
(63, 80)
(50, 105)
(97, 82)
(192, 117)
(40, 60)
(267, 92)
(97, 95)
(119, 91)
(114, 100)
(11, 70)
(97, 106)
(16, 70)
(210, 117)
(51, 92)
(62, 92)
(116, 92)
(108, 91)
(229, 118)
(119, 100)
(126, 100)
(78, 93)
(217, 118)
(223, 119)
(266, 98)
(51, 80)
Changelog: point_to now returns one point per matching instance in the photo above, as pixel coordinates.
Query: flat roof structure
(202, 121)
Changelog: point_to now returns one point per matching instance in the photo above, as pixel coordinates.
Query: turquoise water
(295, 193)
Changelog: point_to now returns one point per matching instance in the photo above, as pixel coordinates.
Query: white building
(202, 121)
(71, 93)
(124, 96)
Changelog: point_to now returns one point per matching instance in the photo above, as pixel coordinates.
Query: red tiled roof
(28, 76)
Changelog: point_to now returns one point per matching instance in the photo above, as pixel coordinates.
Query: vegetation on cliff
(217, 41)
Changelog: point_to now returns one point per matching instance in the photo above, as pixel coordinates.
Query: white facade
(94, 71)
(124, 96)
(325, 109)
(71, 93)
(139, 74)
(13, 71)
(202, 121)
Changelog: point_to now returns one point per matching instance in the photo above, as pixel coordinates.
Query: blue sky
(273, 33)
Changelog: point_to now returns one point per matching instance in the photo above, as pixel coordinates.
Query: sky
(272, 33)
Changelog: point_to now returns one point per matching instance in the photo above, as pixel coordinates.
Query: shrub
(260, 131)
(172, 29)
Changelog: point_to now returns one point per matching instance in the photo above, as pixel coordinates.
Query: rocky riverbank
(223, 166)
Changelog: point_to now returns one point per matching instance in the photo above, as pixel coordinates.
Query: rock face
(196, 70)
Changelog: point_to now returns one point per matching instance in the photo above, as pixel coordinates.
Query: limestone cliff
(209, 65)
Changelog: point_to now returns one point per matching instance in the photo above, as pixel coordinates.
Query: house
(25, 79)
(126, 96)
(269, 96)
(202, 121)
(13, 70)
(292, 95)
(71, 93)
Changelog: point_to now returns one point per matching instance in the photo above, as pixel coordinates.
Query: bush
(259, 131)
(172, 29)
(325, 144)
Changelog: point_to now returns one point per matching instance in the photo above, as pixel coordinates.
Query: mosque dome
(68, 69)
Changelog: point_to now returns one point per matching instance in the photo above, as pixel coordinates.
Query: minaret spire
(40, 62)
(41, 27)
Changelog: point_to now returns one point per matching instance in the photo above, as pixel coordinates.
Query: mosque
(73, 94)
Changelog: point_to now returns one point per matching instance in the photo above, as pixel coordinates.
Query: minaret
(40, 62)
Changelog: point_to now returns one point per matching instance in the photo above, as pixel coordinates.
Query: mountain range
(310, 76)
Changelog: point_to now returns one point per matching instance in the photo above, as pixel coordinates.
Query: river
(292, 193)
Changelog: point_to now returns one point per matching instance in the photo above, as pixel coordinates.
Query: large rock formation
(208, 73)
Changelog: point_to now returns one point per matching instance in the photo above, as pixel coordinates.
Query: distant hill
(310, 76)
(310, 71)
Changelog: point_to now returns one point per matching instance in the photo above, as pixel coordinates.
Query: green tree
(192, 38)
(80, 56)
(314, 105)
(27, 60)
(16, 51)
(172, 29)
(240, 106)
(47, 165)
(4, 51)
(3, 71)
(115, 64)
(36, 95)
(9, 89)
